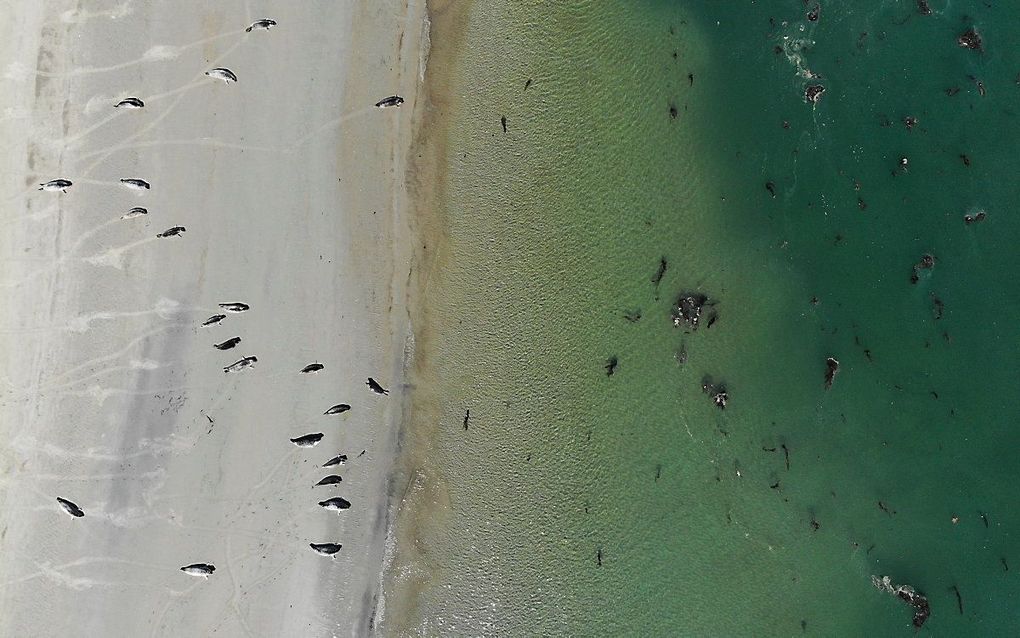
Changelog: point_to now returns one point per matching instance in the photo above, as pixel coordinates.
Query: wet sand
(290, 186)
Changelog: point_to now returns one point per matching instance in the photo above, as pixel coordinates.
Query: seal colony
(167, 447)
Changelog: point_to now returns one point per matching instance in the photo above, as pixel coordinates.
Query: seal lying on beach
(308, 440)
(241, 364)
(265, 24)
(220, 73)
(312, 368)
(335, 504)
(199, 569)
(374, 386)
(70, 507)
(137, 211)
(339, 459)
(135, 184)
(325, 549)
(332, 479)
(234, 306)
(55, 185)
(129, 103)
(213, 320)
(172, 232)
(339, 408)
(228, 344)
(393, 100)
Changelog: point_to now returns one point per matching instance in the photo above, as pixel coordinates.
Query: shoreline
(407, 572)
(102, 329)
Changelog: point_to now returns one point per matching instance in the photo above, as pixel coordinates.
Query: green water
(555, 230)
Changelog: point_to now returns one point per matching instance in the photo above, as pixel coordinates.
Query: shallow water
(554, 232)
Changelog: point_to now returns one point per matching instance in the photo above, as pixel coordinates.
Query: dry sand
(291, 188)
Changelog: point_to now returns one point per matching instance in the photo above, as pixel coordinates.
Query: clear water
(554, 230)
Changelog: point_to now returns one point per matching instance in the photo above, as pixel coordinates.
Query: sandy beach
(290, 187)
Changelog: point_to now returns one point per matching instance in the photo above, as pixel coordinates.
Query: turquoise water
(555, 230)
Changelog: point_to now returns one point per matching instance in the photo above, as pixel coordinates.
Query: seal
(213, 320)
(172, 232)
(374, 386)
(308, 440)
(339, 459)
(335, 504)
(129, 103)
(221, 74)
(241, 364)
(228, 344)
(332, 479)
(55, 185)
(234, 306)
(70, 508)
(199, 569)
(393, 100)
(265, 24)
(831, 367)
(339, 408)
(135, 184)
(326, 549)
(312, 368)
(137, 211)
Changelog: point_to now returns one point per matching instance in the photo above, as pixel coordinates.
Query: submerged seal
(199, 569)
(220, 73)
(228, 344)
(55, 185)
(335, 504)
(312, 368)
(831, 367)
(339, 408)
(240, 364)
(308, 440)
(172, 232)
(393, 100)
(70, 508)
(265, 24)
(129, 103)
(234, 306)
(135, 184)
(326, 549)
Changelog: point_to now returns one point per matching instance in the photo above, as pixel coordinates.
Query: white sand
(291, 187)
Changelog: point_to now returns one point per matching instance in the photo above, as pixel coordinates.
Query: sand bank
(290, 186)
